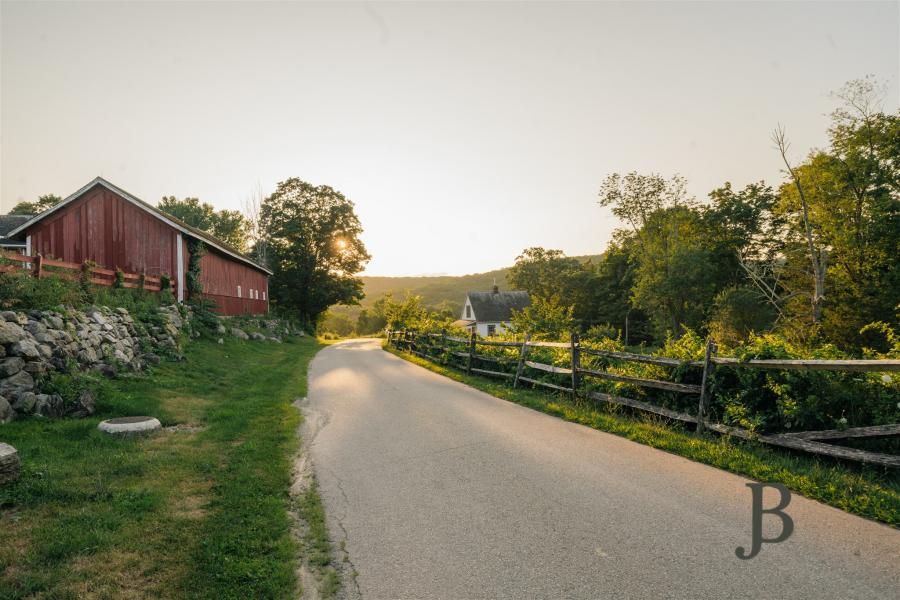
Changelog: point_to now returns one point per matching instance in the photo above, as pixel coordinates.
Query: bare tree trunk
(818, 257)
(252, 209)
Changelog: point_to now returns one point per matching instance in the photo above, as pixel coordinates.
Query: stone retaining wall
(100, 339)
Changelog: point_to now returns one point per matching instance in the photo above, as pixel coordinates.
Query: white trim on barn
(179, 253)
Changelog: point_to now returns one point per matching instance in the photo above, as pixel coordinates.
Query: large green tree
(227, 225)
(314, 249)
(847, 196)
(38, 206)
(550, 275)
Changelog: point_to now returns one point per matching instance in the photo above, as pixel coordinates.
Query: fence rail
(41, 267)
(808, 441)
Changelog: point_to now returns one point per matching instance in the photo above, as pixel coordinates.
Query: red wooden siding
(221, 277)
(102, 227)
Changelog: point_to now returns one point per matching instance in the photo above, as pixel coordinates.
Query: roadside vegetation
(871, 492)
(198, 510)
(19, 291)
(803, 270)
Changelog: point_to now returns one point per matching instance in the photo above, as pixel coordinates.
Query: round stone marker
(9, 463)
(129, 425)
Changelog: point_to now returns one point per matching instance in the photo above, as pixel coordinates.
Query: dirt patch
(192, 500)
(185, 409)
(117, 574)
(183, 428)
(15, 540)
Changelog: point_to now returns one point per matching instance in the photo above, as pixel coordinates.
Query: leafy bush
(544, 319)
(205, 315)
(779, 400)
(70, 385)
(738, 312)
(601, 332)
(21, 291)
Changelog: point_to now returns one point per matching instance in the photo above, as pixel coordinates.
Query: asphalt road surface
(440, 491)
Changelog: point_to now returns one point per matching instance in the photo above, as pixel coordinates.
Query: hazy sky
(463, 132)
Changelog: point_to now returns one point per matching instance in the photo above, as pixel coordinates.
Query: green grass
(316, 545)
(867, 491)
(200, 512)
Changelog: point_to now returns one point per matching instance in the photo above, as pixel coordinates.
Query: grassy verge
(867, 491)
(199, 510)
(316, 545)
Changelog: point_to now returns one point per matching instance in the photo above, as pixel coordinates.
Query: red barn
(105, 224)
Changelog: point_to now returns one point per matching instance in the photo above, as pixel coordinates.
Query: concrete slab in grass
(130, 425)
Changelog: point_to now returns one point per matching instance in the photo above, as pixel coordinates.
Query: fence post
(704, 385)
(443, 346)
(471, 353)
(521, 364)
(576, 364)
(37, 265)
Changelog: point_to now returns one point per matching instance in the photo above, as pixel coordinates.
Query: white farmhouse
(490, 313)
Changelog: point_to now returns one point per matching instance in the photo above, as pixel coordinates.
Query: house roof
(497, 306)
(7, 224)
(162, 216)
(462, 323)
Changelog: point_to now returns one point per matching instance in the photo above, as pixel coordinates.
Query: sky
(463, 132)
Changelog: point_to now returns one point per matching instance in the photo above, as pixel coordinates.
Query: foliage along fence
(576, 369)
(41, 267)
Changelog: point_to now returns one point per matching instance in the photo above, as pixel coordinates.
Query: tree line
(813, 259)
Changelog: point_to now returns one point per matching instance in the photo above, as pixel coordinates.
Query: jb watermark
(756, 520)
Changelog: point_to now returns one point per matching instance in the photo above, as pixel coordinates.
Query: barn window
(251, 293)
(257, 294)
(264, 295)
(239, 291)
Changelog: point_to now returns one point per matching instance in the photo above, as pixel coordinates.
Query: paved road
(441, 491)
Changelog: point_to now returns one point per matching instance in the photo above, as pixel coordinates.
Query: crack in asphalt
(316, 421)
(346, 536)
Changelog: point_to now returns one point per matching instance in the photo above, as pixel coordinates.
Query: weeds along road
(440, 491)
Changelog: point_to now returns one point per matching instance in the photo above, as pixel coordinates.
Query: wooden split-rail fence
(38, 266)
(439, 347)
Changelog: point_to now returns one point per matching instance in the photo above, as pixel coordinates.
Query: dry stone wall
(102, 339)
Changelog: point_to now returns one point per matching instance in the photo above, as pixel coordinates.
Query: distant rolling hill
(444, 291)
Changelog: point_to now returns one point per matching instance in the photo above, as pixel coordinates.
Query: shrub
(21, 291)
(205, 315)
(777, 400)
(739, 312)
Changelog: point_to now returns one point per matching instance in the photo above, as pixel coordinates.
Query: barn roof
(7, 224)
(497, 306)
(165, 217)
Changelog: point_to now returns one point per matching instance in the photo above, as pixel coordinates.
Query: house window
(468, 311)
(239, 291)
(492, 330)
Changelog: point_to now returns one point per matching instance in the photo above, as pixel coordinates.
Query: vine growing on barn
(196, 251)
